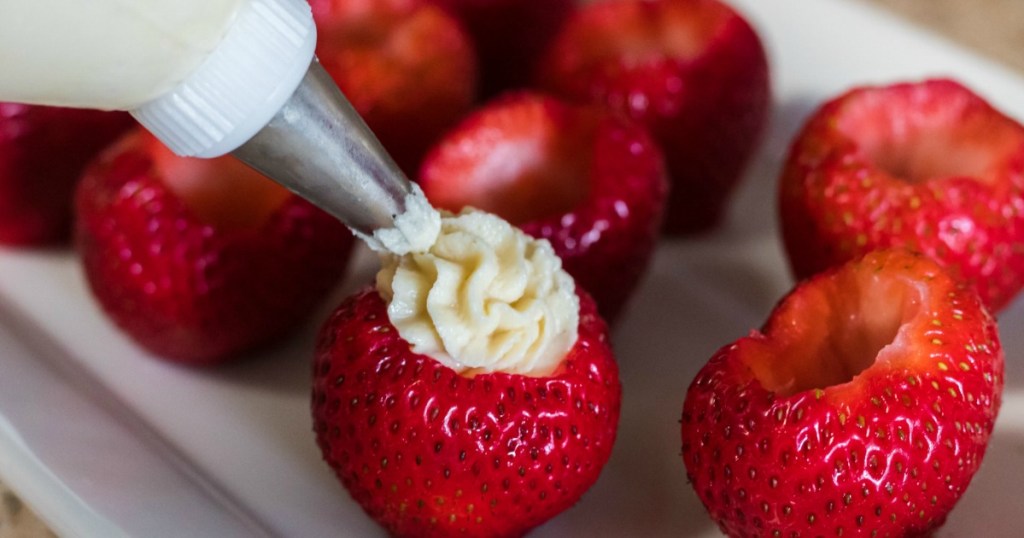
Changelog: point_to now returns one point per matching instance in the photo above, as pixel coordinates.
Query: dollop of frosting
(414, 231)
(484, 297)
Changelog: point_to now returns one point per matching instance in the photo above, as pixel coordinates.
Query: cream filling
(484, 297)
(414, 231)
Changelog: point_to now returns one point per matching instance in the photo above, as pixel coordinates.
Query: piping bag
(259, 94)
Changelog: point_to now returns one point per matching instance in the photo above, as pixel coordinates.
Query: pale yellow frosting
(485, 297)
(415, 229)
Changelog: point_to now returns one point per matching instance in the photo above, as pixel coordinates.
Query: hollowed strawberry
(862, 408)
(429, 452)
(928, 166)
(43, 151)
(405, 65)
(590, 183)
(198, 260)
(693, 71)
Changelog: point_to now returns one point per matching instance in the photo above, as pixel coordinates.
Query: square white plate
(104, 440)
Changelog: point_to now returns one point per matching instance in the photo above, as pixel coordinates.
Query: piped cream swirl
(415, 229)
(485, 297)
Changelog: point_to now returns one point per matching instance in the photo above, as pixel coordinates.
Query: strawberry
(928, 166)
(43, 151)
(862, 408)
(693, 71)
(429, 452)
(592, 184)
(510, 36)
(198, 260)
(405, 65)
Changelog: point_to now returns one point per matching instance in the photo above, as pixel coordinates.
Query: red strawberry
(406, 66)
(429, 452)
(862, 408)
(693, 71)
(510, 36)
(928, 166)
(591, 184)
(198, 260)
(43, 151)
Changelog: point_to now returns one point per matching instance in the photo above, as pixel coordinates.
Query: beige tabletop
(994, 28)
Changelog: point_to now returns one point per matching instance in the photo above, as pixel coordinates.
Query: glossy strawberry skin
(190, 291)
(43, 151)
(510, 36)
(706, 103)
(428, 452)
(607, 237)
(406, 66)
(886, 453)
(838, 201)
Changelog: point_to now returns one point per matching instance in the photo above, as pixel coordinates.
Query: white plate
(103, 440)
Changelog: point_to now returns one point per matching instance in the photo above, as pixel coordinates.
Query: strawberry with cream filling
(473, 392)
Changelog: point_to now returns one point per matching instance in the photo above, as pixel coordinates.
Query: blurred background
(992, 28)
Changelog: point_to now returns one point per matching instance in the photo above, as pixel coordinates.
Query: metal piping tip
(320, 148)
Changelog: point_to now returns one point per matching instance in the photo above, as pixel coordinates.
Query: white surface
(102, 439)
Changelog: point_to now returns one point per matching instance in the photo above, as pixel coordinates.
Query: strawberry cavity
(528, 160)
(926, 132)
(828, 337)
(225, 193)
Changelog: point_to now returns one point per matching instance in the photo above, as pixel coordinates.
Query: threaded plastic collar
(241, 85)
